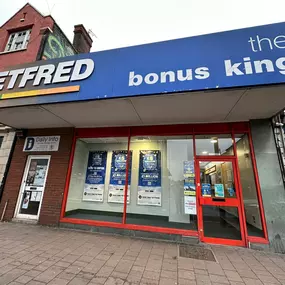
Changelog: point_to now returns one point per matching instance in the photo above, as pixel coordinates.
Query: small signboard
(42, 143)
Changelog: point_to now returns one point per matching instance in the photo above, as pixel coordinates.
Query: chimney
(82, 41)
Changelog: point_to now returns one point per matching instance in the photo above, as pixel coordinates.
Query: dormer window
(18, 40)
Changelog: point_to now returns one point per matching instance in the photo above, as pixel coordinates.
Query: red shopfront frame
(171, 130)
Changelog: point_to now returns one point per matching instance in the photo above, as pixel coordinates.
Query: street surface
(36, 255)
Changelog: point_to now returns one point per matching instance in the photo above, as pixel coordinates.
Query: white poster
(44, 143)
(36, 196)
(93, 192)
(149, 196)
(40, 175)
(116, 194)
(190, 205)
(26, 200)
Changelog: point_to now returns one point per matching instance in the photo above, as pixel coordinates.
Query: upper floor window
(18, 40)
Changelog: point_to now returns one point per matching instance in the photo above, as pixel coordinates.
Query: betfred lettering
(66, 71)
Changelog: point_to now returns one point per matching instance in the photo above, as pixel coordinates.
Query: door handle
(219, 199)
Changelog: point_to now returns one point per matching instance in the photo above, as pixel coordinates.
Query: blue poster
(95, 176)
(118, 176)
(149, 188)
(206, 190)
(219, 190)
(189, 178)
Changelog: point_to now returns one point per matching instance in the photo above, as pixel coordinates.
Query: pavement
(37, 255)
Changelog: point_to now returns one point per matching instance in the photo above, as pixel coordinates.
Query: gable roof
(27, 4)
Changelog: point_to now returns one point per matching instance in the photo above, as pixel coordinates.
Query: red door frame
(234, 202)
(167, 130)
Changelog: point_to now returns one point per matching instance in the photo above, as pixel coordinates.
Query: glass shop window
(214, 144)
(162, 190)
(248, 185)
(98, 179)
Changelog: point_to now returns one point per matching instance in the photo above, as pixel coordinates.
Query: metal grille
(278, 127)
(196, 252)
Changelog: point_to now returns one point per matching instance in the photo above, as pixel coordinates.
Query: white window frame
(13, 44)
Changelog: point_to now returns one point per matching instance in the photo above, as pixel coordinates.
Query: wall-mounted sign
(149, 188)
(95, 177)
(210, 170)
(239, 58)
(44, 143)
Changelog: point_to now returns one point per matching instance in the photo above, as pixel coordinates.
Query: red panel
(224, 241)
(229, 202)
(163, 130)
(129, 227)
(258, 240)
(103, 132)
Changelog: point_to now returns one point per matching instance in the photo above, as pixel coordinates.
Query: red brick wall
(30, 54)
(53, 194)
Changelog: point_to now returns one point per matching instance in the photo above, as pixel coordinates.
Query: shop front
(189, 180)
(165, 139)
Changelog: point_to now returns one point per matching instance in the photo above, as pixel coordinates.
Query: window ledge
(12, 51)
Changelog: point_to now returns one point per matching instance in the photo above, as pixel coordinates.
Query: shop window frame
(167, 130)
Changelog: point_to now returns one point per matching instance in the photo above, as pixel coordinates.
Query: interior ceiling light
(214, 140)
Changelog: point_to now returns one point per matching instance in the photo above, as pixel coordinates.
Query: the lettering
(258, 43)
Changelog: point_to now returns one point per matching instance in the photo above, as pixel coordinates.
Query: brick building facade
(50, 211)
(26, 37)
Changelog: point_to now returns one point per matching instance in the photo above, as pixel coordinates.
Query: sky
(120, 23)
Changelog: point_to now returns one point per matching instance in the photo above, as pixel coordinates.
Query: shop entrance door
(32, 188)
(219, 199)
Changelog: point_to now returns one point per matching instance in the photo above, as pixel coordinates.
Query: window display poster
(206, 190)
(149, 188)
(95, 177)
(39, 179)
(189, 178)
(219, 190)
(26, 200)
(118, 177)
(190, 205)
(36, 196)
(32, 172)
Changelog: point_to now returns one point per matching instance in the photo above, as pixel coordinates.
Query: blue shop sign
(238, 58)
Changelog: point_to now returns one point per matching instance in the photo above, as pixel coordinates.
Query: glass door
(219, 210)
(33, 186)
